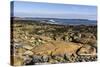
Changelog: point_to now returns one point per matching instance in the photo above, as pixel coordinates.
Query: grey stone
(37, 59)
(45, 58)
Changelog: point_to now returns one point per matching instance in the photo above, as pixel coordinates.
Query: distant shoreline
(67, 24)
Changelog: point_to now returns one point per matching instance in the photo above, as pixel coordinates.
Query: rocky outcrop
(86, 50)
(50, 44)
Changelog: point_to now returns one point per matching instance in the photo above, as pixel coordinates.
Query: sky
(51, 10)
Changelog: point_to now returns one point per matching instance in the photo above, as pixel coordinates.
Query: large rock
(57, 48)
(87, 50)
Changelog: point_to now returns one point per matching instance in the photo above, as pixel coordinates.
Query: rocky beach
(34, 43)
